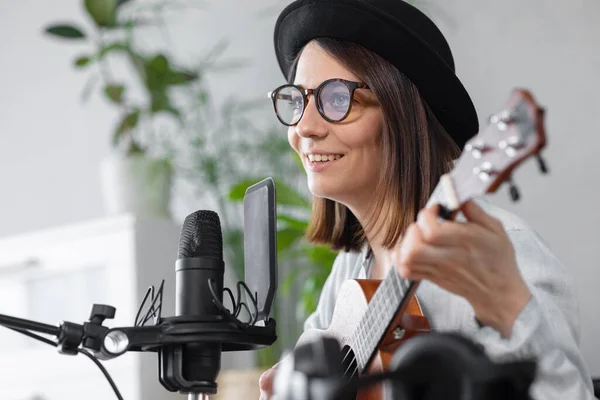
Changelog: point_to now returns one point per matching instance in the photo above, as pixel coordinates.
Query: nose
(311, 125)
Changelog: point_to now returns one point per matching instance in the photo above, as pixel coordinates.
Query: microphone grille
(201, 236)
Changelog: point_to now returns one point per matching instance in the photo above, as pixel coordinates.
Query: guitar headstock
(513, 135)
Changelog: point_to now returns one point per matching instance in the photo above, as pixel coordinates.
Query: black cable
(154, 309)
(34, 336)
(253, 300)
(149, 292)
(104, 371)
(224, 311)
(237, 305)
(82, 351)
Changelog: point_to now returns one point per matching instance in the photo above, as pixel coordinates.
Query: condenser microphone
(188, 344)
(199, 266)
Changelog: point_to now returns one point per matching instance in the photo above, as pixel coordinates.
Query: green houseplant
(137, 175)
(217, 149)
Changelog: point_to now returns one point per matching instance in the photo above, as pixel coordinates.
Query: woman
(385, 118)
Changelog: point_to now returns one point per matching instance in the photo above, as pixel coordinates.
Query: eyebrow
(326, 79)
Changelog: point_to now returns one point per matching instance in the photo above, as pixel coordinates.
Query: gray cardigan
(547, 328)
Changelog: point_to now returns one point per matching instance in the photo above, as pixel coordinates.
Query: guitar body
(351, 305)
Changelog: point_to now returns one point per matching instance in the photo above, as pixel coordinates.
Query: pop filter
(260, 245)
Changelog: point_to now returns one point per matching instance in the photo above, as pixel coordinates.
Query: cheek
(293, 139)
(366, 142)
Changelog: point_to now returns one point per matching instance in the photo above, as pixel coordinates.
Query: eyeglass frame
(351, 85)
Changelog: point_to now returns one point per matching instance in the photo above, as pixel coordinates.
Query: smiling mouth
(319, 158)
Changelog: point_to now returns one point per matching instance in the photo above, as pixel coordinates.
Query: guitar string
(377, 300)
(365, 265)
(365, 262)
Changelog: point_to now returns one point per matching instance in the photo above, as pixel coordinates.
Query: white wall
(50, 144)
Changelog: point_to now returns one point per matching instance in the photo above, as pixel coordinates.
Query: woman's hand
(265, 383)
(475, 260)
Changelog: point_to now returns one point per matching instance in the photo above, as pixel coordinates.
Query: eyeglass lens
(289, 104)
(333, 102)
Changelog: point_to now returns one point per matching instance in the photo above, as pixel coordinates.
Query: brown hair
(417, 151)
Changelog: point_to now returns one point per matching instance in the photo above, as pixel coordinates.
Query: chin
(326, 191)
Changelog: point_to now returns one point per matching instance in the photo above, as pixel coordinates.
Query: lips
(318, 162)
(322, 157)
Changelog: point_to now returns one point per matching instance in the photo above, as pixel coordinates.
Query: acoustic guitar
(371, 319)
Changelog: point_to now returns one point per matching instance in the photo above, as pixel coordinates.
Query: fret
(361, 337)
(360, 356)
(380, 312)
(357, 348)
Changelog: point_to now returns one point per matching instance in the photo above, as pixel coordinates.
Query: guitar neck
(388, 301)
(385, 304)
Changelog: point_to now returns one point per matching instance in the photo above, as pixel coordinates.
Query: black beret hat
(396, 31)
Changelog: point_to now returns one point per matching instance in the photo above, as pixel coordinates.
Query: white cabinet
(57, 274)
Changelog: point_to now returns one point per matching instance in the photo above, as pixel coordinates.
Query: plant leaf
(157, 68)
(162, 102)
(289, 280)
(287, 237)
(128, 122)
(114, 93)
(135, 149)
(287, 196)
(121, 2)
(82, 61)
(237, 191)
(320, 256)
(203, 97)
(180, 77)
(102, 11)
(210, 166)
(65, 31)
(309, 295)
(292, 222)
(116, 46)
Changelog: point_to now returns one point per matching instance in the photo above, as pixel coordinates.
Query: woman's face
(352, 146)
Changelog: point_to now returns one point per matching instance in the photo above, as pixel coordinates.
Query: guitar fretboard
(379, 315)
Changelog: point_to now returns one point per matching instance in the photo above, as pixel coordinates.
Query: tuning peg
(502, 120)
(513, 190)
(542, 164)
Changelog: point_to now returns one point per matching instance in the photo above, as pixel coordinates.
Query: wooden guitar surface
(351, 305)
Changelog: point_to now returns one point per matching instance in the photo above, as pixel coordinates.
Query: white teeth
(323, 157)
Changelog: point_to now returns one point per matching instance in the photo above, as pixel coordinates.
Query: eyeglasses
(333, 97)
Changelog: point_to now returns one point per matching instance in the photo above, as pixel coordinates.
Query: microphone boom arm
(94, 336)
